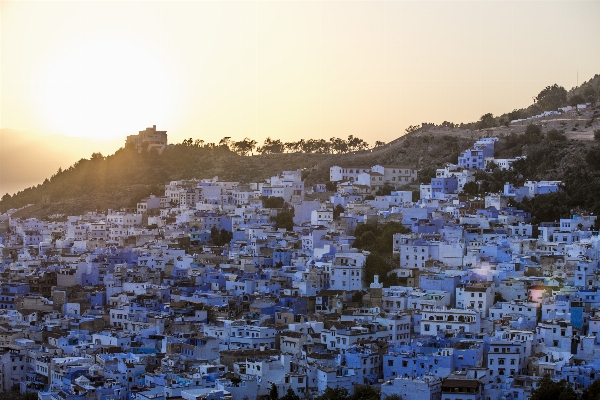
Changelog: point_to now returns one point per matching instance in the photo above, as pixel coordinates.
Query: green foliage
(416, 195)
(331, 186)
(361, 392)
(16, 395)
(516, 114)
(97, 157)
(284, 219)
(365, 392)
(243, 147)
(498, 297)
(372, 238)
(548, 389)
(334, 394)
(385, 190)
(593, 157)
(379, 241)
(220, 237)
(272, 202)
(552, 97)
(290, 395)
(425, 174)
(576, 99)
(533, 133)
(337, 210)
(548, 207)
(272, 146)
(273, 394)
(493, 182)
(376, 264)
(557, 135)
(592, 392)
(589, 93)
(358, 296)
(486, 121)
(471, 188)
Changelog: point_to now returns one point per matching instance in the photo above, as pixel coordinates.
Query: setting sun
(103, 85)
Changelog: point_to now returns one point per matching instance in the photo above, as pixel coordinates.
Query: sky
(282, 69)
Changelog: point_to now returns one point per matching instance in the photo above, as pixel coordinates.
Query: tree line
(248, 146)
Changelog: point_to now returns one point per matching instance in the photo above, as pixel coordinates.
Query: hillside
(563, 148)
(123, 178)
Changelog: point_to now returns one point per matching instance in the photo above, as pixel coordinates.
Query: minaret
(376, 292)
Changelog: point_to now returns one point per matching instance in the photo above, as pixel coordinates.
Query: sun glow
(106, 85)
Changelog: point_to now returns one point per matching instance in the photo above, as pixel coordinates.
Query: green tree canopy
(486, 121)
(548, 389)
(552, 97)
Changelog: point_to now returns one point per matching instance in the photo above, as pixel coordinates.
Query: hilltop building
(149, 138)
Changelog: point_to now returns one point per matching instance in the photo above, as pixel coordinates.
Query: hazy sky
(283, 69)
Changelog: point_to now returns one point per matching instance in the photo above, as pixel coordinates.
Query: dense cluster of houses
(141, 303)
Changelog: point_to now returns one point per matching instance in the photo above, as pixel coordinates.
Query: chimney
(154, 127)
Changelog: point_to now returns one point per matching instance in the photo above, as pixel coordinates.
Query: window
(426, 327)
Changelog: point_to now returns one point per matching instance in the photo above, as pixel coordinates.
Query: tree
(592, 392)
(220, 237)
(426, 174)
(576, 99)
(533, 134)
(552, 97)
(334, 394)
(486, 121)
(593, 157)
(273, 394)
(243, 147)
(548, 389)
(385, 190)
(225, 143)
(97, 157)
(272, 146)
(557, 135)
(273, 202)
(365, 392)
(16, 395)
(290, 395)
(284, 219)
(589, 93)
(337, 210)
(471, 188)
(515, 114)
(331, 186)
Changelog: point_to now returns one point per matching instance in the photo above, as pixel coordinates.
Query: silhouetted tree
(552, 97)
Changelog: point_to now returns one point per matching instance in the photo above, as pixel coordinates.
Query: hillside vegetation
(557, 148)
